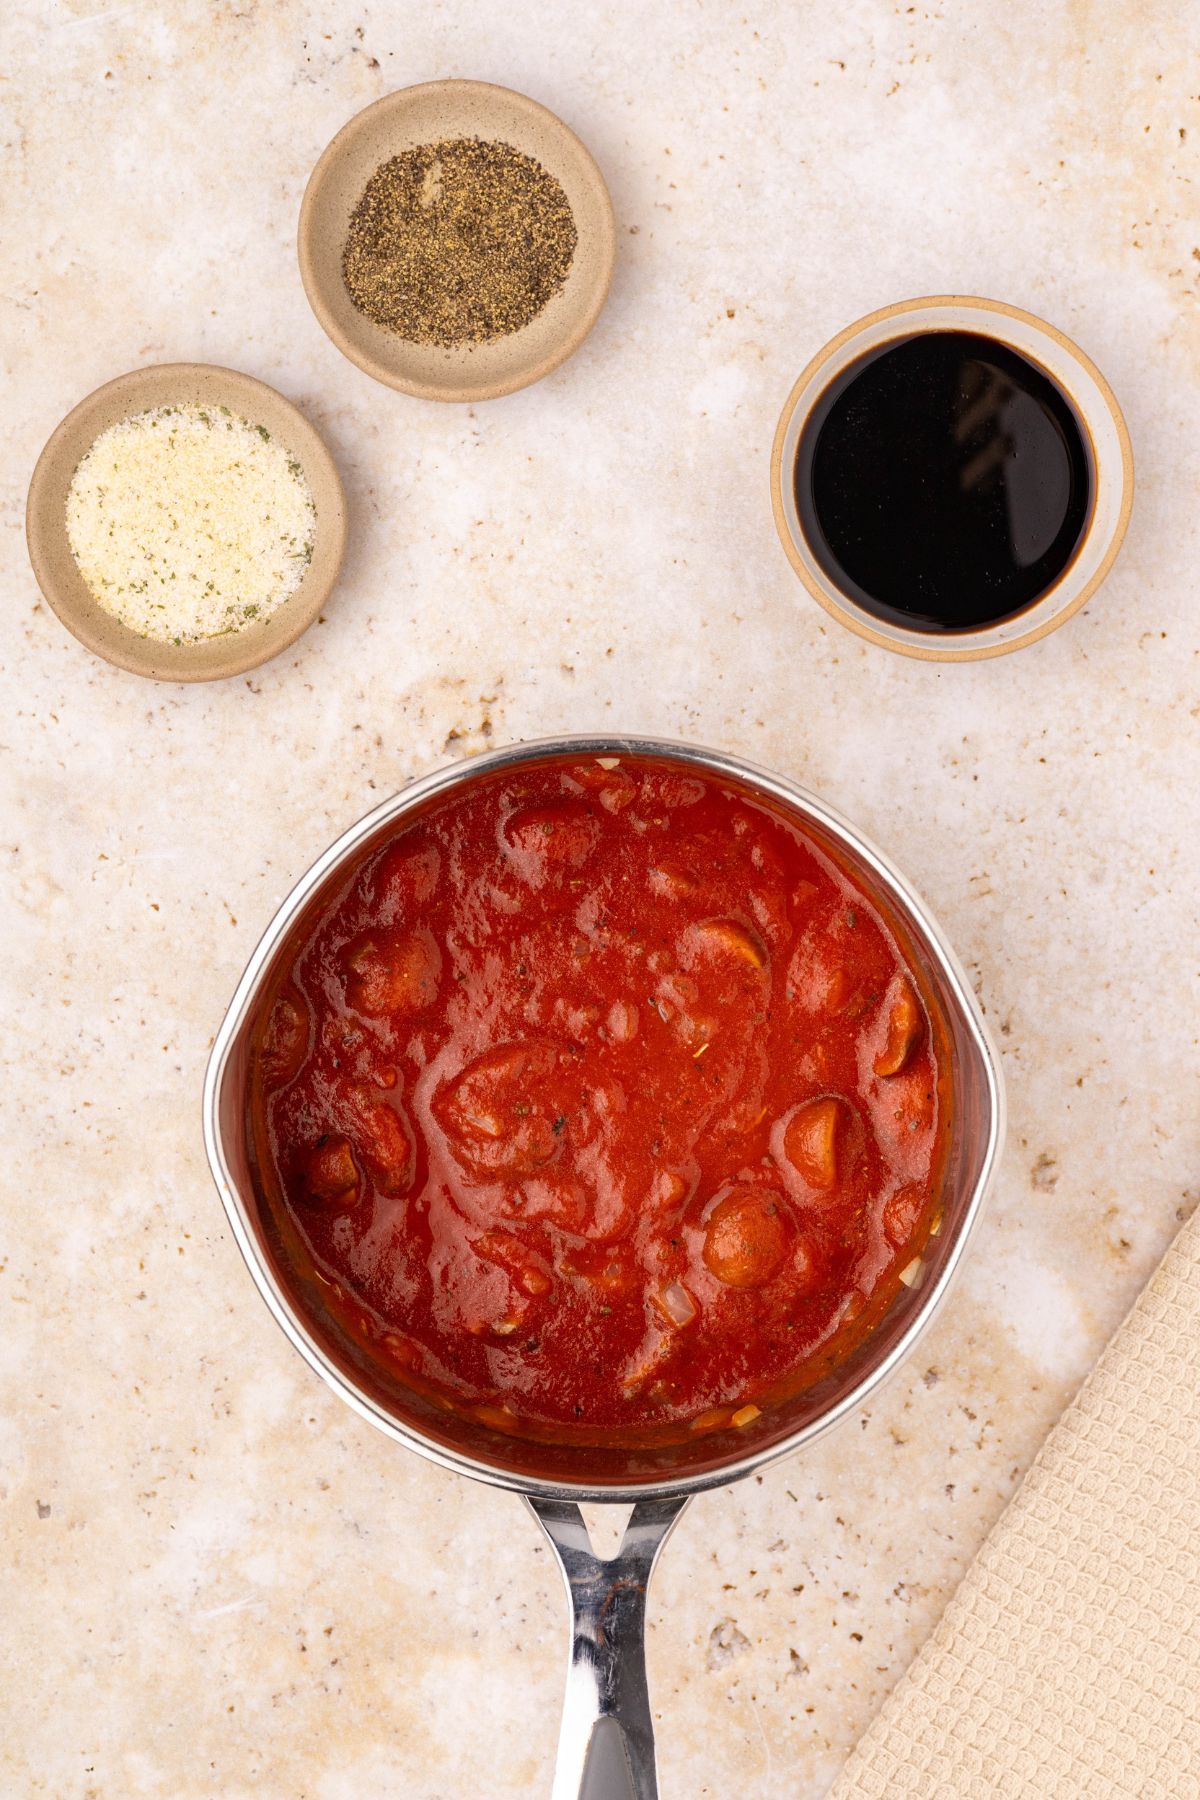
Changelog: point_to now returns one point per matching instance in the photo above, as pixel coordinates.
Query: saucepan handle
(606, 1745)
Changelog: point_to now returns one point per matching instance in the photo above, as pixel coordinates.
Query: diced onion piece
(913, 1273)
(500, 1418)
(746, 1415)
(675, 1304)
(608, 762)
(711, 1420)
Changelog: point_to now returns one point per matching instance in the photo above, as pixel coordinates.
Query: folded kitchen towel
(1068, 1662)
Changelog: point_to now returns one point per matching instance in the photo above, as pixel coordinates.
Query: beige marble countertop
(218, 1581)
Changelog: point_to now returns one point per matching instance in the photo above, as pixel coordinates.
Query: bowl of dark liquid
(951, 478)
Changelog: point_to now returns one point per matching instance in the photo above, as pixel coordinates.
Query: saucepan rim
(781, 788)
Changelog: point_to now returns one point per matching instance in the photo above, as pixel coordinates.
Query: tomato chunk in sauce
(605, 1102)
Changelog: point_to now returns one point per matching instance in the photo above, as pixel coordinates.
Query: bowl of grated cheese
(186, 522)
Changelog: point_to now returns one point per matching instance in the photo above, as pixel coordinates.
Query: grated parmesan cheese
(188, 522)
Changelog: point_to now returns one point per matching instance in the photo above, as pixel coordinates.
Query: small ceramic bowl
(1099, 415)
(422, 115)
(58, 576)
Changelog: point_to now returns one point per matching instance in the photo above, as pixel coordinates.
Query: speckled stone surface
(218, 1581)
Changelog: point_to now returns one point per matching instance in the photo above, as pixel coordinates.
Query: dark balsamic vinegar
(944, 481)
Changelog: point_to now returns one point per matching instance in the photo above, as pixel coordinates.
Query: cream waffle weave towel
(1068, 1662)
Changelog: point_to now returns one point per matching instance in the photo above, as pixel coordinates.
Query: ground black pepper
(458, 242)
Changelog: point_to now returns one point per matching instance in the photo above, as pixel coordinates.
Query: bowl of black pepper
(456, 240)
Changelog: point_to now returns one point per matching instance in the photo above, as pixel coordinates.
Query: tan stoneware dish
(58, 576)
(423, 115)
(1098, 413)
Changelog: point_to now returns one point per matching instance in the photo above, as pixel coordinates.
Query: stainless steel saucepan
(606, 1747)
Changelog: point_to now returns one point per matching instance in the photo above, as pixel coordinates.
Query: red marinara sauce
(605, 1102)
